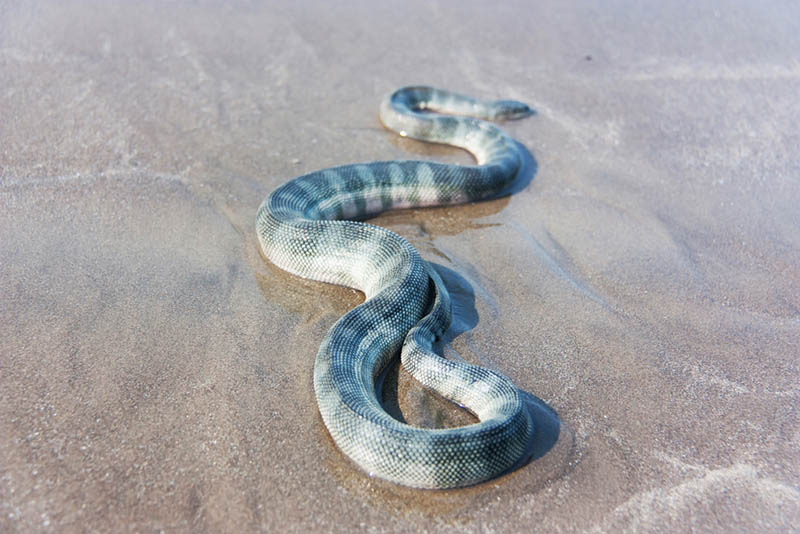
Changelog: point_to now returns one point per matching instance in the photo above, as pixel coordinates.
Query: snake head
(511, 109)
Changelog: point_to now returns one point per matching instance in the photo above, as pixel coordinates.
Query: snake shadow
(546, 423)
(527, 170)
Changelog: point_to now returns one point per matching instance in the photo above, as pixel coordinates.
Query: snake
(313, 226)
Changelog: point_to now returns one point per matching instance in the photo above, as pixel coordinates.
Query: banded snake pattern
(311, 227)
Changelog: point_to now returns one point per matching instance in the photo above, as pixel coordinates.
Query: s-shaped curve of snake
(306, 227)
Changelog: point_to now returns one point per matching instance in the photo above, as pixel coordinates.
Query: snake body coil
(303, 228)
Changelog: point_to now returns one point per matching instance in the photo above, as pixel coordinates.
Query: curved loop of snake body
(303, 228)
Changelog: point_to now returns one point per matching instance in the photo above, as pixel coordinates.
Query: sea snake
(310, 227)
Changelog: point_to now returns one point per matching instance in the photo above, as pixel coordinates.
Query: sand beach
(642, 284)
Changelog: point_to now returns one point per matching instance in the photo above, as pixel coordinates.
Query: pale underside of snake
(310, 227)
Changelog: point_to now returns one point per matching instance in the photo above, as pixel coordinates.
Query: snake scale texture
(310, 227)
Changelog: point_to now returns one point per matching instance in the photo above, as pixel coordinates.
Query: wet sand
(643, 287)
